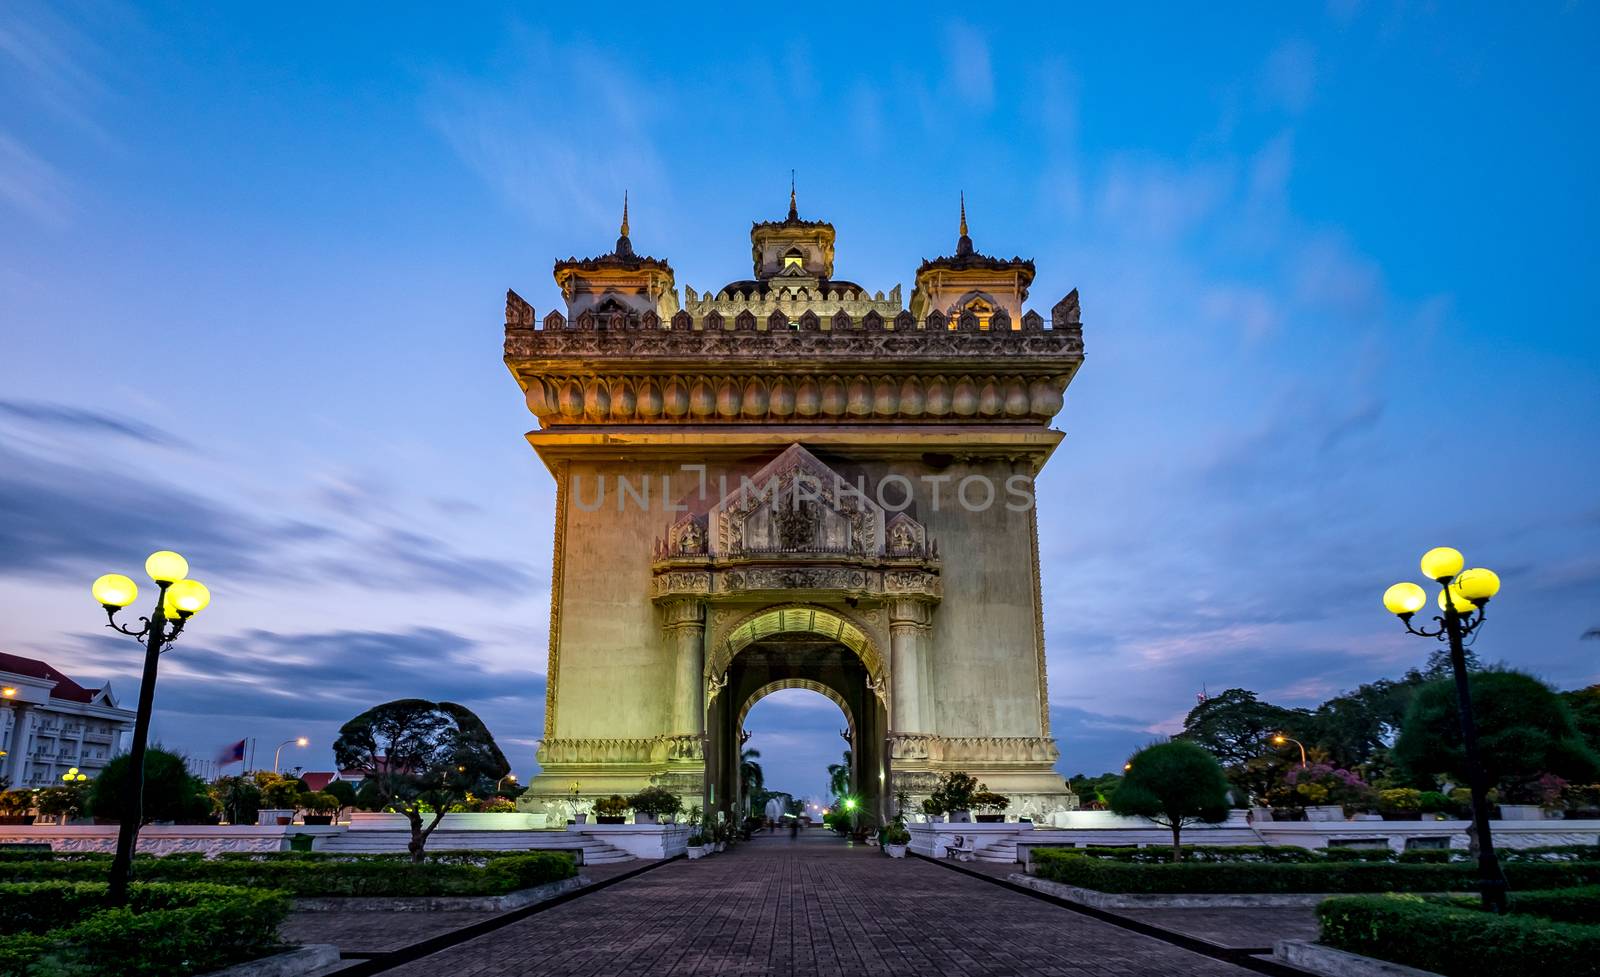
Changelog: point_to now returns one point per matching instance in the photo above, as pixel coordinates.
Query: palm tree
(839, 776)
(751, 777)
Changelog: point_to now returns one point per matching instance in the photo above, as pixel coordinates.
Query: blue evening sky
(1337, 271)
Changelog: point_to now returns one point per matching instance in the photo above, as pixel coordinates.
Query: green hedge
(327, 877)
(166, 930)
(1455, 941)
(1580, 905)
(1106, 875)
(1272, 854)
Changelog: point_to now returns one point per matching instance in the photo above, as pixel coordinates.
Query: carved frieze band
(974, 749)
(632, 398)
(849, 580)
(650, 749)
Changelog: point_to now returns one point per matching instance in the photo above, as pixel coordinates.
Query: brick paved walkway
(812, 907)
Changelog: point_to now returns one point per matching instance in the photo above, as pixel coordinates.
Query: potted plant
(895, 838)
(611, 810)
(281, 797)
(650, 804)
(320, 807)
(954, 795)
(932, 810)
(1431, 803)
(697, 845)
(1400, 804)
(578, 817)
(15, 805)
(991, 807)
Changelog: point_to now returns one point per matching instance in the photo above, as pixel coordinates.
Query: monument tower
(793, 482)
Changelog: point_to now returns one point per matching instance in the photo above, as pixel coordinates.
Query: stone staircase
(1004, 850)
(595, 852)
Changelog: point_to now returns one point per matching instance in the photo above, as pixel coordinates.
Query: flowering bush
(1323, 783)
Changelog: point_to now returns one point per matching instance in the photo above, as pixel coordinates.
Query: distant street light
(1281, 739)
(1463, 595)
(510, 776)
(297, 741)
(177, 599)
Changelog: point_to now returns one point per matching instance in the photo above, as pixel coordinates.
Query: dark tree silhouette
(420, 757)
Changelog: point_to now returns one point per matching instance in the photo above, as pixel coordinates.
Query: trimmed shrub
(1458, 942)
(1204, 853)
(1108, 875)
(1581, 905)
(169, 931)
(318, 877)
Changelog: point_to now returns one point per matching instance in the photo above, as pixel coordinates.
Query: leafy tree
(343, 793)
(65, 802)
(839, 776)
(420, 757)
(238, 798)
(171, 793)
(751, 777)
(1525, 731)
(1094, 793)
(1174, 784)
(1584, 704)
(281, 793)
(1236, 728)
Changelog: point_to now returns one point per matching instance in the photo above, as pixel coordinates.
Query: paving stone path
(813, 907)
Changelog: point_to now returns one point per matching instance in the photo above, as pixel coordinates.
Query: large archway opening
(794, 754)
(797, 648)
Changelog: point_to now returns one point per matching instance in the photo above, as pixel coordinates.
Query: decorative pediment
(796, 504)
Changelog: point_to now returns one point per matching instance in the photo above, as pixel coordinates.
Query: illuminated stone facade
(793, 482)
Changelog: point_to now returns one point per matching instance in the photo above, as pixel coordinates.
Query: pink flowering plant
(1323, 783)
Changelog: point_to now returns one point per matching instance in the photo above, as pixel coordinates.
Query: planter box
(960, 817)
(1521, 812)
(696, 851)
(644, 818)
(895, 851)
(322, 819)
(610, 819)
(1325, 812)
(17, 819)
(1402, 815)
(991, 819)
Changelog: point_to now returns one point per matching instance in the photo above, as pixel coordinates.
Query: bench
(961, 850)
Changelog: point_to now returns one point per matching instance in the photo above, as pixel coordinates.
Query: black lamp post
(177, 600)
(1463, 595)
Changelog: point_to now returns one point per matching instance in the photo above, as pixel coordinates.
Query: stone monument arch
(790, 482)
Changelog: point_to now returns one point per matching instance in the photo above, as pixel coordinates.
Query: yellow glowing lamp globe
(1404, 598)
(1462, 605)
(165, 566)
(1478, 584)
(115, 590)
(188, 597)
(1441, 563)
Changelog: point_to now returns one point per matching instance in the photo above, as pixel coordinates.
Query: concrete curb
(295, 963)
(1176, 900)
(1327, 961)
(434, 904)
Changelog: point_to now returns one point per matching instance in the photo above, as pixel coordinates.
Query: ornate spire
(625, 216)
(964, 243)
(624, 246)
(794, 214)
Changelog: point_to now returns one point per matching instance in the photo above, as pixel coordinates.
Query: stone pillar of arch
(684, 621)
(910, 623)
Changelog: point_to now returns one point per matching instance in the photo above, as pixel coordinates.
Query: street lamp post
(296, 741)
(1281, 739)
(177, 599)
(1463, 595)
(510, 776)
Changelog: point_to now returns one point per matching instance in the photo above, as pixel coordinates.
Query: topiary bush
(1457, 942)
(166, 930)
(171, 793)
(310, 876)
(656, 802)
(1108, 875)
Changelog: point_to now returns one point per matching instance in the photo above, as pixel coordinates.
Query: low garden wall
(166, 839)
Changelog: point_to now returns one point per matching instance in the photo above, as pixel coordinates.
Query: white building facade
(50, 724)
